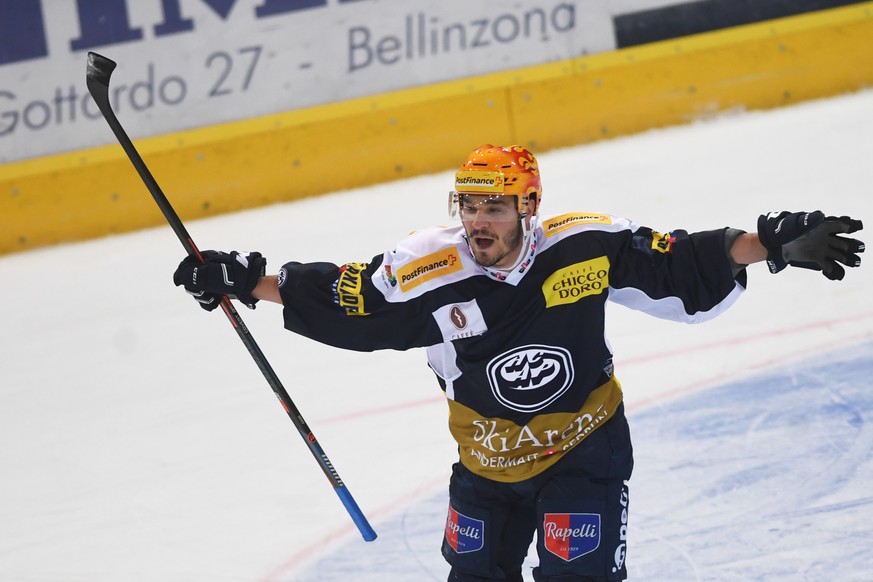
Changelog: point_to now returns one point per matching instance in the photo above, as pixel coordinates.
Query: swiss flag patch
(571, 535)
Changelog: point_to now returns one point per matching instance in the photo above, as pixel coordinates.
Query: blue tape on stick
(357, 515)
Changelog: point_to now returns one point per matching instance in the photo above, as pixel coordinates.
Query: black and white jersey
(521, 355)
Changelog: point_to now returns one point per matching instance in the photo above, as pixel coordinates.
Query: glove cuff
(256, 267)
(246, 300)
(775, 262)
(768, 227)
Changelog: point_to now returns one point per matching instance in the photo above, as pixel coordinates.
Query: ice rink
(139, 442)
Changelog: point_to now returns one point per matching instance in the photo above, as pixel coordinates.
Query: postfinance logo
(560, 223)
(479, 182)
(576, 281)
(427, 268)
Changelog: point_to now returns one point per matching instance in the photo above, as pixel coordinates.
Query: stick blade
(99, 69)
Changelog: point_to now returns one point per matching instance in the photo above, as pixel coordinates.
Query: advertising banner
(190, 63)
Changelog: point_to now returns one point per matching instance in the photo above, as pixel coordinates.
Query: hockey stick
(98, 74)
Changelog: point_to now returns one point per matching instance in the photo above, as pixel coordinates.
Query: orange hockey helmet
(500, 170)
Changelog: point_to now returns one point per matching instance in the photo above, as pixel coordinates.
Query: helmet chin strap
(526, 230)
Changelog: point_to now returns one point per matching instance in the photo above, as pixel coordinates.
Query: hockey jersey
(521, 355)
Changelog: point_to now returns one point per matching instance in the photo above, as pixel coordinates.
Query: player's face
(493, 228)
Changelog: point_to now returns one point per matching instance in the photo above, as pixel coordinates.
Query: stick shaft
(98, 74)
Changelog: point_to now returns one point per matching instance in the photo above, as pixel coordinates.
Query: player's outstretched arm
(747, 249)
(267, 289)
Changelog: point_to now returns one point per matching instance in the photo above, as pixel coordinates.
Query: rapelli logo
(464, 534)
(571, 535)
(529, 378)
(427, 268)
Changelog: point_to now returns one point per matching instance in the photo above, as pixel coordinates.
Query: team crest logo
(464, 534)
(571, 535)
(529, 378)
(663, 243)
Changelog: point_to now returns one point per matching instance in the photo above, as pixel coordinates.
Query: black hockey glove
(810, 240)
(233, 274)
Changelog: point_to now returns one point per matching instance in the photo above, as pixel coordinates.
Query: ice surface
(765, 478)
(138, 440)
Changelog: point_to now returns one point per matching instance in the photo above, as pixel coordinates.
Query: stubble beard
(512, 244)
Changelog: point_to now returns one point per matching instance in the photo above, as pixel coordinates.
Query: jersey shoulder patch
(558, 224)
(423, 261)
(555, 229)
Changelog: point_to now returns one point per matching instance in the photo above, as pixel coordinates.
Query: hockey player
(510, 308)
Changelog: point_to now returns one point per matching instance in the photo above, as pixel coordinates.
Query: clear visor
(484, 207)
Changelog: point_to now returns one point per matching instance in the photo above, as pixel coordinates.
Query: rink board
(214, 170)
